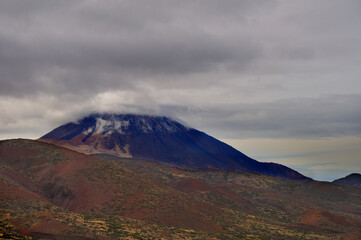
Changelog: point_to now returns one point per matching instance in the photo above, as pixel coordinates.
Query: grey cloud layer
(231, 68)
(331, 116)
(90, 44)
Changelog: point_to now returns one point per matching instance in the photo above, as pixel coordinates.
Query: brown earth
(75, 183)
(51, 192)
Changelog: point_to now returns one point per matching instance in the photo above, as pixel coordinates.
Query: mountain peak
(109, 124)
(124, 123)
(159, 139)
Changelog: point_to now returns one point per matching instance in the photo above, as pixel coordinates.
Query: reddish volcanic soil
(314, 217)
(92, 145)
(192, 185)
(16, 186)
(319, 221)
(86, 184)
(197, 200)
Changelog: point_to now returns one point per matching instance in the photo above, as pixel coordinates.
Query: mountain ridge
(160, 139)
(351, 179)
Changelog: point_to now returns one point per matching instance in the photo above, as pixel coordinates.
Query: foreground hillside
(48, 192)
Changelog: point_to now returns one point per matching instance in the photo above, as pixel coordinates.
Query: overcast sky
(278, 80)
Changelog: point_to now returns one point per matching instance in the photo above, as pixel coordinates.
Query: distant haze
(278, 80)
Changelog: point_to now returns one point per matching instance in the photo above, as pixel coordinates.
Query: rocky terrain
(50, 192)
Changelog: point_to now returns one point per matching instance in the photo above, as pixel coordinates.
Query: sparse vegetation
(104, 197)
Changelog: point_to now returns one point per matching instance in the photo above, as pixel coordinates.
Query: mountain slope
(158, 139)
(352, 179)
(50, 192)
(32, 170)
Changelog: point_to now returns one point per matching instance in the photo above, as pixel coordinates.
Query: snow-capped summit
(109, 123)
(105, 133)
(160, 139)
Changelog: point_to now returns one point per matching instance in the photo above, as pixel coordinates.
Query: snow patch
(115, 124)
(108, 126)
(101, 124)
(121, 125)
(86, 132)
(169, 126)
